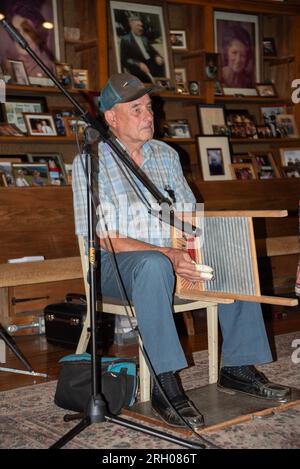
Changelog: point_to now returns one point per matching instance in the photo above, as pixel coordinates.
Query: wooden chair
(114, 306)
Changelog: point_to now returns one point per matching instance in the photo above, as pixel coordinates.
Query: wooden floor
(44, 357)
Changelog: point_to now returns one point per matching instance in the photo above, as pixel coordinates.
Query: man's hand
(186, 267)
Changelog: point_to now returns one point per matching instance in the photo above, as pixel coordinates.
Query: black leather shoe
(183, 406)
(249, 380)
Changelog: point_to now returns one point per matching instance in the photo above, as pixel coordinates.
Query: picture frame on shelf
(291, 171)
(6, 170)
(149, 22)
(9, 130)
(210, 115)
(242, 30)
(264, 131)
(15, 106)
(64, 74)
(210, 65)
(40, 125)
(220, 130)
(289, 156)
(30, 174)
(178, 39)
(80, 79)
(180, 75)
(16, 69)
(34, 33)
(266, 90)
(243, 171)
(218, 88)
(163, 85)
(181, 88)
(178, 128)
(265, 165)
(287, 124)
(215, 158)
(57, 173)
(269, 47)
(194, 88)
(269, 114)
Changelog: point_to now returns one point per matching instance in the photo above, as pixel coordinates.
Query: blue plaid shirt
(120, 206)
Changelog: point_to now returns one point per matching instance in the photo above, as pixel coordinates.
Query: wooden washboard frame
(227, 245)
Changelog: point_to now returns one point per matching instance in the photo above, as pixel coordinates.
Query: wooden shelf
(272, 140)
(25, 89)
(168, 96)
(251, 99)
(182, 141)
(274, 61)
(30, 139)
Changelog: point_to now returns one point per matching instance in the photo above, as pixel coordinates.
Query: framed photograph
(148, 58)
(178, 129)
(243, 171)
(181, 88)
(221, 130)
(80, 79)
(180, 75)
(240, 123)
(64, 74)
(237, 41)
(55, 164)
(16, 70)
(163, 85)
(269, 114)
(29, 174)
(264, 164)
(178, 39)
(209, 68)
(218, 88)
(292, 171)
(269, 48)
(14, 107)
(287, 124)
(211, 115)
(6, 170)
(9, 130)
(41, 125)
(74, 126)
(29, 19)
(264, 131)
(289, 156)
(266, 90)
(194, 88)
(215, 158)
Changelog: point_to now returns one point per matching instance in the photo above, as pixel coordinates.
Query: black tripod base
(87, 421)
(9, 341)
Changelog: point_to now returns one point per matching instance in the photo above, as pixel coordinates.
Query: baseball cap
(122, 88)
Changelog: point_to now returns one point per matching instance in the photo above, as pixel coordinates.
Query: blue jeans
(149, 279)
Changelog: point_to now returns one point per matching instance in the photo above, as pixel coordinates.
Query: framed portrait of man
(140, 40)
(30, 18)
(237, 41)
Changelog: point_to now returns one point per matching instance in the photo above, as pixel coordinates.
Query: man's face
(132, 122)
(137, 27)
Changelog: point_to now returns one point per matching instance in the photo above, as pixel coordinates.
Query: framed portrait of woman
(237, 41)
(141, 44)
(29, 18)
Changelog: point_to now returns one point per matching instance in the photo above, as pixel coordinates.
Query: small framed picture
(9, 130)
(289, 156)
(74, 126)
(287, 124)
(292, 171)
(220, 130)
(30, 174)
(80, 79)
(243, 171)
(181, 88)
(178, 39)
(194, 88)
(6, 171)
(211, 115)
(210, 65)
(269, 48)
(266, 90)
(179, 129)
(41, 125)
(163, 85)
(264, 164)
(215, 158)
(15, 106)
(180, 75)
(16, 69)
(264, 131)
(218, 88)
(55, 164)
(64, 74)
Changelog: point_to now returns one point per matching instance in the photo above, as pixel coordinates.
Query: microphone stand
(96, 410)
